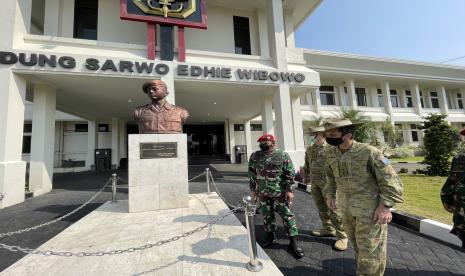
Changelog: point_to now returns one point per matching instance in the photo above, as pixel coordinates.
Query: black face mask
(265, 147)
(334, 141)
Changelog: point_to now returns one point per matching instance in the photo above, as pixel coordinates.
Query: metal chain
(194, 178)
(57, 219)
(123, 179)
(219, 194)
(15, 248)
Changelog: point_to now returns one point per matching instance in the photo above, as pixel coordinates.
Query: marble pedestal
(157, 183)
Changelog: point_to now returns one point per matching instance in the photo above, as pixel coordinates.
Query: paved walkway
(409, 253)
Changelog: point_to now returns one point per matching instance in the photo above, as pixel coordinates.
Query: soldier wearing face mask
(315, 175)
(271, 176)
(366, 187)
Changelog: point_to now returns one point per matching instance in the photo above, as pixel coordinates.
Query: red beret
(462, 132)
(266, 137)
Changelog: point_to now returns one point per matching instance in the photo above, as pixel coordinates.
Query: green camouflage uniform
(363, 179)
(270, 176)
(453, 194)
(315, 174)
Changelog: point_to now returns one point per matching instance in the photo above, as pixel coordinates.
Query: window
(459, 100)
(394, 98)
(103, 128)
(414, 133)
(256, 127)
(434, 99)
(238, 127)
(380, 98)
(422, 101)
(241, 35)
(327, 95)
(27, 130)
(81, 127)
(361, 96)
(85, 19)
(408, 97)
(399, 130)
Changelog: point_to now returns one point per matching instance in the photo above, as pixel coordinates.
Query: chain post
(114, 182)
(207, 176)
(254, 264)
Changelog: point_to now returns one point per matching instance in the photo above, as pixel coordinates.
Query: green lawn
(414, 159)
(421, 195)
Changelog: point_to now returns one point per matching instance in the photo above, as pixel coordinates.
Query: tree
(366, 130)
(441, 142)
(392, 135)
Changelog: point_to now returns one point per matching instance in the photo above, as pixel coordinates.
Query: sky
(422, 30)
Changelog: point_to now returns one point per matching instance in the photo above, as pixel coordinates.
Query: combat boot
(322, 233)
(295, 248)
(268, 241)
(341, 244)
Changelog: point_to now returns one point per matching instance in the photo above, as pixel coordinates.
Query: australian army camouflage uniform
(271, 175)
(363, 179)
(453, 195)
(315, 174)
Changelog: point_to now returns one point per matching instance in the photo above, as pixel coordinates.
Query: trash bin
(102, 160)
(241, 154)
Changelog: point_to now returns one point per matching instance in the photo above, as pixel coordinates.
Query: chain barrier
(57, 219)
(26, 250)
(219, 194)
(194, 178)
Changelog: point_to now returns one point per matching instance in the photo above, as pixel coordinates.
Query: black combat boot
(268, 241)
(295, 248)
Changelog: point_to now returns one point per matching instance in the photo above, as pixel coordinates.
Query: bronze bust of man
(159, 116)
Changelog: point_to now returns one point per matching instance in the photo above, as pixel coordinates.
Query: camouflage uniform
(363, 179)
(453, 194)
(315, 174)
(271, 176)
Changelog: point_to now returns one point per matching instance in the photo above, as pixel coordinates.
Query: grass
(421, 195)
(413, 159)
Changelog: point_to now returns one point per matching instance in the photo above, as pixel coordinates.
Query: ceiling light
(208, 114)
(214, 103)
(129, 101)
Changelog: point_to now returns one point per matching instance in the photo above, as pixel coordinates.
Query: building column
(277, 35)
(123, 138)
(373, 91)
(416, 99)
(267, 116)
(385, 88)
(16, 22)
(316, 100)
(232, 140)
(263, 33)
(402, 97)
(297, 122)
(52, 18)
(407, 133)
(248, 138)
(115, 143)
(341, 95)
(227, 147)
(92, 144)
(350, 84)
(443, 100)
(12, 169)
(462, 93)
(283, 115)
(308, 99)
(43, 139)
(168, 79)
(290, 39)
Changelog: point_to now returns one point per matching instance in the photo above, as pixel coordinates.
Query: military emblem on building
(167, 8)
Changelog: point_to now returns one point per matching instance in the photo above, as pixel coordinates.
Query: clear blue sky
(425, 30)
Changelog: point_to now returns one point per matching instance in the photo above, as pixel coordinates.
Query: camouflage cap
(316, 129)
(338, 124)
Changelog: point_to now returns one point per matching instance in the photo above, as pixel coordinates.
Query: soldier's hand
(289, 197)
(254, 196)
(331, 202)
(382, 215)
(448, 208)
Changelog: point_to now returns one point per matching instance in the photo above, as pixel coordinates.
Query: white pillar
(290, 39)
(67, 18)
(232, 140)
(297, 122)
(316, 100)
(341, 95)
(263, 33)
(168, 79)
(122, 139)
(407, 132)
(416, 99)
(248, 138)
(283, 115)
(402, 97)
(52, 18)
(385, 88)
(276, 34)
(115, 143)
(373, 92)
(43, 139)
(92, 144)
(12, 169)
(227, 146)
(267, 116)
(308, 98)
(16, 22)
(350, 84)
(443, 100)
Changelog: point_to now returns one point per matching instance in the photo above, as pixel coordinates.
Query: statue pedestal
(157, 172)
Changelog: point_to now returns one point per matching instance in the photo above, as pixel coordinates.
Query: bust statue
(159, 116)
